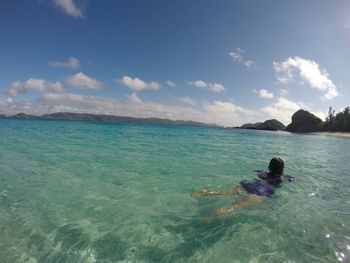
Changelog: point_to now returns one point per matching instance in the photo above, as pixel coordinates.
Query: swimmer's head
(276, 167)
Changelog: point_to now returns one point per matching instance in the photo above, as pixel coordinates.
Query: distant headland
(104, 118)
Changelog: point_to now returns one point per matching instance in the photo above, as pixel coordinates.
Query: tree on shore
(338, 122)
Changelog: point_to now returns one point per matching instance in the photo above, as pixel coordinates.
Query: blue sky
(225, 62)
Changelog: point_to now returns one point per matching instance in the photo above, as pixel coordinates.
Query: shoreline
(333, 134)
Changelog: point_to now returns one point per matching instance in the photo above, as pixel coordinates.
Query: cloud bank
(227, 113)
(79, 103)
(37, 85)
(219, 112)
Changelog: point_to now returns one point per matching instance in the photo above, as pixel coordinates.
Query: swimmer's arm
(289, 178)
(261, 173)
(231, 191)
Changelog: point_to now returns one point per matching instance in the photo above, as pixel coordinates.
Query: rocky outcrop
(269, 125)
(304, 121)
(272, 125)
(250, 125)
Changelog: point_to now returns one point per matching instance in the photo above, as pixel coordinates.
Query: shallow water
(102, 192)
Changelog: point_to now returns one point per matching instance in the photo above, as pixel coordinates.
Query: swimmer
(256, 191)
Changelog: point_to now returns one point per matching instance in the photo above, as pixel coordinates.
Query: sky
(225, 62)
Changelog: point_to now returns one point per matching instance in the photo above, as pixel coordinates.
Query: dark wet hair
(276, 167)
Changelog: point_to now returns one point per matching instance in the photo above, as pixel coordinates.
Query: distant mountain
(269, 125)
(108, 118)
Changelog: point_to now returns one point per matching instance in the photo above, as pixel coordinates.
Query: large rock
(304, 121)
(271, 125)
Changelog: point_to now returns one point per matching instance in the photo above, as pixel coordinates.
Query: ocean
(74, 191)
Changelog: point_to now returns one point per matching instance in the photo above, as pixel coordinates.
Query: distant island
(105, 118)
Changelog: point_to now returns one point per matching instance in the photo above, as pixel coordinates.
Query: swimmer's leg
(231, 191)
(245, 201)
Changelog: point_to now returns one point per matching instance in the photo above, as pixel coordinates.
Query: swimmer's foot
(208, 220)
(200, 192)
(217, 213)
(224, 210)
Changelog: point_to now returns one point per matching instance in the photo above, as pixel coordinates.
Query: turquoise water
(99, 192)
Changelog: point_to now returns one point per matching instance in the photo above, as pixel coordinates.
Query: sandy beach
(335, 134)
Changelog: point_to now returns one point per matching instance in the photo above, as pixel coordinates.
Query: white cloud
(283, 109)
(216, 87)
(37, 85)
(188, 101)
(218, 112)
(136, 107)
(237, 56)
(305, 72)
(320, 114)
(283, 92)
(227, 113)
(71, 63)
(69, 7)
(83, 81)
(265, 94)
(137, 84)
(171, 84)
(134, 98)
(198, 84)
